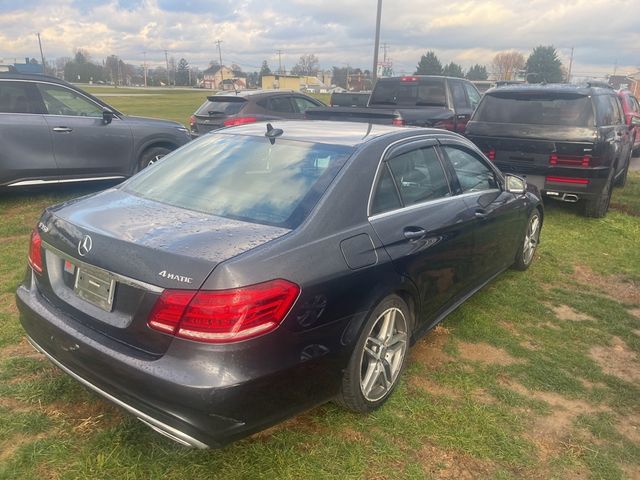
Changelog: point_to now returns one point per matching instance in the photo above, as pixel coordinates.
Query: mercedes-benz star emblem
(84, 245)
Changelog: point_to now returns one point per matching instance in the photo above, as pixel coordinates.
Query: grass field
(537, 376)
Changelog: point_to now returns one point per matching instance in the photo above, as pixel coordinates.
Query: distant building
(223, 78)
(29, 66)
(628, 82)
(293, 82)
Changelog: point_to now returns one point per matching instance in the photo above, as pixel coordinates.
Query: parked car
(227, 109)
(53, 132)
(349, 99)
(264, 269)
(631, 109)
(571, 141)
(414, 100)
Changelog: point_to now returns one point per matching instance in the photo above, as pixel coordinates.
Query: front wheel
(378, 358)
(527, 249)
(151, 156)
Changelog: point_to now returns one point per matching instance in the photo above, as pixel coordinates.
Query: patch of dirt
(629, 426)
(631, 471)
(14, 442)
(564, 312)
(550, 325)
(485, 353)
(614, 286)
(8, 303)
(19, 350)
(305, 422)
(434, 388)
(617, 359)
(635, 312)
(591, 385)
(429, 351)
(447, 464)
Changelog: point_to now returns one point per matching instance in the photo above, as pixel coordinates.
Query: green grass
(451, 414)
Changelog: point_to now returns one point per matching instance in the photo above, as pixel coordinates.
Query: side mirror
(635, 121)
(107, 116)
(515, 184)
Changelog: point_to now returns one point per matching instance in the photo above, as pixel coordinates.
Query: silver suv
(53, 132)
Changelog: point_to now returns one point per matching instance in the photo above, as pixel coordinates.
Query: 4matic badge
(173, 276)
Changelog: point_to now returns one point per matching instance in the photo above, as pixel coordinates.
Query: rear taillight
(224, 316)
(409, 78)
(239, 121)
(398, 122)
(192, 120)
(491, 154)
(578, 181)
(570, 160)
(35, 251)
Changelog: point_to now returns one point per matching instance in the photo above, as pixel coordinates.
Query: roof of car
(329, 132)
(31, 76)
(253, 93)
(580, 89)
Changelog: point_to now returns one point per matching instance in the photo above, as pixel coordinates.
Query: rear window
(423, 93)
(349, 99)
(244, 178)
(536, 109)
(221, 106)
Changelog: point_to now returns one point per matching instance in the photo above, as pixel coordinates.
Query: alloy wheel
(531, 239)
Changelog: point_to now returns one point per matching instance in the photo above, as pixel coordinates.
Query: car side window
(15, 98)
(459, 97)
(302, 104)
(472, 173)
(604, 110)
(63, 101)
(618, 116)
(281, 103)
(419, 176)
(472, 93)
(386, 195)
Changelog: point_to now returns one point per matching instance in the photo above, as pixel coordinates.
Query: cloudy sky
(605, 33)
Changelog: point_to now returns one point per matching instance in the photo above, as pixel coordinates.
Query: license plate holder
(95, 286)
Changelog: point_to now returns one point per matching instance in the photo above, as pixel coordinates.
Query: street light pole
(377, 43)
(41, 54)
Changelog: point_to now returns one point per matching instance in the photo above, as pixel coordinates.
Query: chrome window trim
(161, 427)
(25, 183)
(436, 201)
(119, 278)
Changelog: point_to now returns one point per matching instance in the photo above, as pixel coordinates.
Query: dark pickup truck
(416, 100)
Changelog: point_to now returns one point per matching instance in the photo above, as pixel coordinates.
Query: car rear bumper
(198, 398)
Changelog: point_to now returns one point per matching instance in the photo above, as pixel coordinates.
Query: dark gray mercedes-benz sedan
(53, 132)
(263, 269)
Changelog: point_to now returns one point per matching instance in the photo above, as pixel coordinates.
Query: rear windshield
(221, 106)
(536, 109)
(423, 93)
(243, 177)
(349, 99)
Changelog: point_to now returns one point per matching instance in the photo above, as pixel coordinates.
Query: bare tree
(307, 65)
(505, 65)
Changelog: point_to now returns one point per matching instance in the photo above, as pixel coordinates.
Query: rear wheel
(527, 249)
(622, 179)
(597, 206)
(378, 358)
(150, 156)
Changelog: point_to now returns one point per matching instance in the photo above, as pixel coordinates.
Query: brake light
(224, 316)
(409, 78)
(35, 251)
(239, 121)
(580, 181)
(398, 122)
(491, 154)
(570, 160)
(192, 120)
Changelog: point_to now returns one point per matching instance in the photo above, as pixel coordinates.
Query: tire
(530, 241)
(622, 179)
(598, 206)
(378, 358)
(150, 156)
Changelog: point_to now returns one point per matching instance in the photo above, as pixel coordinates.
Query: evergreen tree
(543, 65)
(429, 65)
(477, 72)
(453, 70)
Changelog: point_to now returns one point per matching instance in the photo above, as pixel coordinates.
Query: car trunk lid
(212, 114)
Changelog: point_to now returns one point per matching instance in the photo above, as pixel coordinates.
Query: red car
(631, 109)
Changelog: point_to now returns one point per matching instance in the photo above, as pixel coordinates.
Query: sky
(605, 34)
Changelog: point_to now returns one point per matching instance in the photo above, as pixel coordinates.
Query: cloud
(602, 32)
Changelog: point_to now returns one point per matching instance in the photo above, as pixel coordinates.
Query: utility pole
(218, 42)
(279, 61)
(570, 65)
(41, 54)
(144, 68)
(166, 59)
(615, 67)
(377, 43)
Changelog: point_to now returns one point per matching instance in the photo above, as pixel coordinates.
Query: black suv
(227, 109)
(53, 132)
(571, 141)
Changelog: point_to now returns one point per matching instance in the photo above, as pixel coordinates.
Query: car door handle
(480, 213)
(414, 233)
(62, 129)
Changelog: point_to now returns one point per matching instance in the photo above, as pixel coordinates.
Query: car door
(499, 216)
(83, 145)
(623, 134)
(282, 106)
(426, 230)
(26, 152)
(301, 104)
